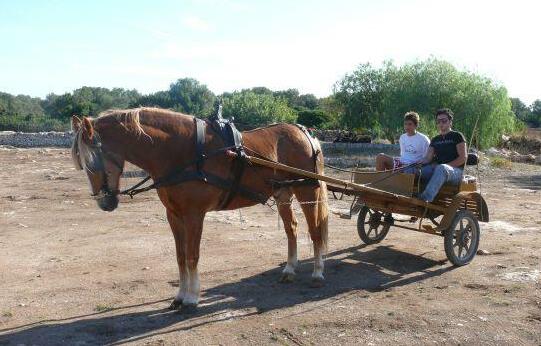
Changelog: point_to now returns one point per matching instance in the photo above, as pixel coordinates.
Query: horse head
(102, 165)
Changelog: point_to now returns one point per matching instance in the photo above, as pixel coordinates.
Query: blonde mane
(134, 117)
(129, 118)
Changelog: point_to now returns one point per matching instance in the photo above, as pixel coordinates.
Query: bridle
(98, 165)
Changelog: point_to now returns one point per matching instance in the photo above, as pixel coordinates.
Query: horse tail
(323, 208)
(323, 215)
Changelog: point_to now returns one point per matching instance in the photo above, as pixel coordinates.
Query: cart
(384, 200)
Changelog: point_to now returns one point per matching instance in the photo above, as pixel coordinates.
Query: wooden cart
(384, 200)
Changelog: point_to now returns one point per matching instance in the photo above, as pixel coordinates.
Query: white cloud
(196, 24)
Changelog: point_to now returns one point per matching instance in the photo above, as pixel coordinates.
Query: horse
(160, 141)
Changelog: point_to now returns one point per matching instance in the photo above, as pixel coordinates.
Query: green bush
(251, 109)
(313, 118)
(377, 98)
(30, 123)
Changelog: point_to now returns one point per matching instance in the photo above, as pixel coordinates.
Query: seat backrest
(473, 159)
(398, 183)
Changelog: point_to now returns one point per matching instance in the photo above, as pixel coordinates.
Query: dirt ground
(72, 274)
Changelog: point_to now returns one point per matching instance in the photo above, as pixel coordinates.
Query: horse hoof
(188, 309)
(286, 278)
(317, 282)
(175, 304)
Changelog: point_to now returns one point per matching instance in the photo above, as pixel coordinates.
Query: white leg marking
(191, 297)
(292, 261)
(318, 263)
(183, 285)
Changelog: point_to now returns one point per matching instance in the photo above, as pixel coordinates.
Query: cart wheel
(378, 225)
(462, 238)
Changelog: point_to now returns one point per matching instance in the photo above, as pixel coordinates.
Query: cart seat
(468, 183)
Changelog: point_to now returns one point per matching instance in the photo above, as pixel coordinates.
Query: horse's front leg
(177, 227)
(193, 228)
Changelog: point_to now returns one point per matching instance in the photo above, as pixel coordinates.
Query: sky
(59, 46)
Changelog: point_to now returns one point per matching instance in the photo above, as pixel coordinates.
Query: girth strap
(232, 138)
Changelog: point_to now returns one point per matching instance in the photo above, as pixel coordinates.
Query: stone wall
(339, 154)
(39, 139)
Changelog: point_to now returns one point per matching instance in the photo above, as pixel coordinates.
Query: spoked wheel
(373, 225)
(462, 238)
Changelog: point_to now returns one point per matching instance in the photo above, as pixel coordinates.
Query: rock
(538, 160)
(482, 252)
(145, 268)
(493, 152)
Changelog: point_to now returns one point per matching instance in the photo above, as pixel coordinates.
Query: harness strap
(200, 143)
(313, 144)
(239, 189)
(233, 141)
(234, 138)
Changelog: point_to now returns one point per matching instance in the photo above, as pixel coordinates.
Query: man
(413, 147)
(446, 156)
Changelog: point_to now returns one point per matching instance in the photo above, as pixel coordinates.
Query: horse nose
(108, 203)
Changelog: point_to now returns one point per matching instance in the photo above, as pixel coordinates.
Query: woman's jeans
(439, 175)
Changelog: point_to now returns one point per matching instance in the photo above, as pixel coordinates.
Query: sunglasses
(442, 121)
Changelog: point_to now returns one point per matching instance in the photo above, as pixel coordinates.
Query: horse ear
(88, 130)
(75, 123)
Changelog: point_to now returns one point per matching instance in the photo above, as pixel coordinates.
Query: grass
(500, 162)
(103, 308)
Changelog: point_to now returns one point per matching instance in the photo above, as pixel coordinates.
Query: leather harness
(232, 187)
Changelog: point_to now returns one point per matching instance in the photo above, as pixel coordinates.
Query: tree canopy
(368, 99)
(375, 99)
(252, 109)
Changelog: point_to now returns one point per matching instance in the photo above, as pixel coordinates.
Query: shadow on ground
(347, 271)
(531, 182)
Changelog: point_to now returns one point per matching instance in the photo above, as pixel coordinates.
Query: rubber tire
(361, 230)
(449, 238)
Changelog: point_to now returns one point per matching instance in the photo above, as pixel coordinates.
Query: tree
(376, 99)
(296, 100)
(535, 116)
(314, 118)
(520, 110)
(58, 106)
(309, 101)
(189, 96)
(250, 109)
(88, 101)
(186, 95)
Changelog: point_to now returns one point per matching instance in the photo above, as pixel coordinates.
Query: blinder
(97, 165)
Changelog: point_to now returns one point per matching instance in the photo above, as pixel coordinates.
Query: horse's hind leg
(314, 206)
(177, 228)
(283, 199)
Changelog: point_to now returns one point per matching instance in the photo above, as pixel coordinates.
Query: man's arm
(429, 156)
(461, 159)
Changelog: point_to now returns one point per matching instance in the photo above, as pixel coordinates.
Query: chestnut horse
(160, 141)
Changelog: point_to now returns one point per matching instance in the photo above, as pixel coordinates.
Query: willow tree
(375, 99)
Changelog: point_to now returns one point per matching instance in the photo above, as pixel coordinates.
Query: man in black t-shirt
(446, 157)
